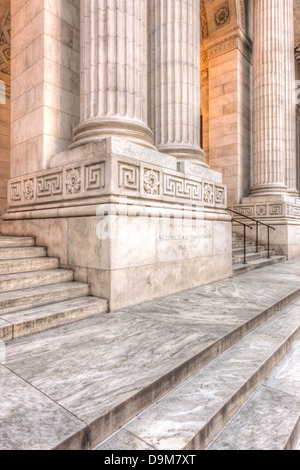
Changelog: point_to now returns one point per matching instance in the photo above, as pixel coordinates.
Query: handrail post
(245, 250)
(256, 236)
(269, 243)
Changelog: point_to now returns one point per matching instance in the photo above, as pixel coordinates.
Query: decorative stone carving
(275, 209)
(208, 193)
(220, 196)
(151, 182)
(182, 188)
(222, 15)
(129, 176)
(28, 190)
(261, 211)
(16, 192)
(5, 40)
(95, 176)
(297, 52)
(73, 181)
(49, 185)
(115, 177)
(203, 18)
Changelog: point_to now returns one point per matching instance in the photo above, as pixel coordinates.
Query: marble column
(113, 72)
(290, 109)
(270, 43)
(175, 78)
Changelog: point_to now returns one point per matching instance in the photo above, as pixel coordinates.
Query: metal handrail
(251, 218)
(245, 242)
(258, 222)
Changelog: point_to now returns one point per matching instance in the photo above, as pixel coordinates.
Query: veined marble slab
(93, 366)
(29, 419)
(286, 376)
(175, 421)
(265, 423)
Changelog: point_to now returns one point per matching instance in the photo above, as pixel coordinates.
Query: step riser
(37, 281)
(22, 253)
(107, 425)
(246, 268)
(240, 251)
(14, 267)
(241, 245)
(251, 257)
(294, 438)
(209, 432)
(59, 319)
(17, 243)
(14, 305)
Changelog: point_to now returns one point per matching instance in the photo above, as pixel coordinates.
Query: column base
(268, 189)
(185, 152)
(282, 213)
(126, 220)
(99, 129)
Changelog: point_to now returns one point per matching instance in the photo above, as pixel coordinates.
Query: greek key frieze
(95, 176)
(182, 188)
(129, 177)
(49, 185)
(15, 193)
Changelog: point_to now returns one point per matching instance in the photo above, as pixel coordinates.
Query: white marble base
(168, 227)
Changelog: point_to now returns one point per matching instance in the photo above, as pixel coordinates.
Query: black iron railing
(257, 222)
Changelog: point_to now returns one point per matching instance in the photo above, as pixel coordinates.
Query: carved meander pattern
(269, 210)
(137, 180)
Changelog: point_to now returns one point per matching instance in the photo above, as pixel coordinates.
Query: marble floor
(61, 385)
(267, 420)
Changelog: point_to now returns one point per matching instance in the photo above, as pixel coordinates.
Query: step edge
(156, 390)
(205, 436)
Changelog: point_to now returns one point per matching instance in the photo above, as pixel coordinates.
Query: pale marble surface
(91, 367)
(29, 419)
(265, 423)
(175, 420)
(286, 376)
(124, 440)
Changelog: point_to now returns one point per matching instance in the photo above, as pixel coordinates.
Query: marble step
(21, 253)
(256, 264)
(193, 414)
(270, 419)
(26, 322)
(251, 256)
(249, 249)
(7, 242)
(38, 296)
(28, 265)
(27, 280)
(240, 244)
(91, 377)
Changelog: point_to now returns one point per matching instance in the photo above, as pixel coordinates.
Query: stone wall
(45, 80)
(230, 73)
(5, 27)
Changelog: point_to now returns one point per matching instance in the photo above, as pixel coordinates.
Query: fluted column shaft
(290, 109)
(113, 71)
(269, 97)
(175, 80)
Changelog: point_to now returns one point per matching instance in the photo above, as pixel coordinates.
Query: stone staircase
(35, 294)
(203, 369)
(246, 398)
(254, 260)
